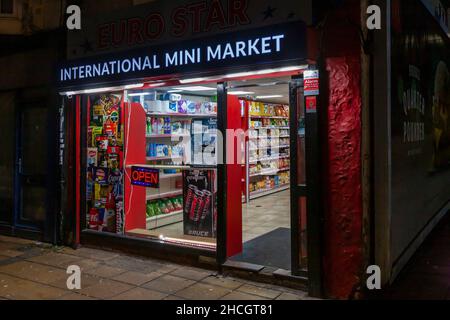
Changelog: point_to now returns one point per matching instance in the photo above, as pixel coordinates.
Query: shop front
(210, 142)
(183, 149)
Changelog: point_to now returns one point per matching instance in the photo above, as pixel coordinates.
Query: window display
(104, 183)
(161, 148)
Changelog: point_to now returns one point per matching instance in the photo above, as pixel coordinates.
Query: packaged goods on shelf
(164, 206)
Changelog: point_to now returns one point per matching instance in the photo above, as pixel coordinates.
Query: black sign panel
(278, 45)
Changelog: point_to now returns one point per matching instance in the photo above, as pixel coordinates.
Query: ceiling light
(153, 85)
(70, 93)
(239, 75)
(139, 94)
(240, 93)
(196, 88)
(98, 90)
(269, 97)
(175, 91)
(134, 86)
(293, 68)
(266, 71)
(192, 80)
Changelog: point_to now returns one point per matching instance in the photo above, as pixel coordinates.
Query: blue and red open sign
(145, 177)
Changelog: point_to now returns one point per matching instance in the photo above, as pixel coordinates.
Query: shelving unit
(163, 132)
(164, 195)
(267, 151)
(266, 192)
(164, 219)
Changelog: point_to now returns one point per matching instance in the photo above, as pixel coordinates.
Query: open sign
(145, 177)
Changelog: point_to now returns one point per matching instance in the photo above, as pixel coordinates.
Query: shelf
(274, 147)
(170, 175)
(164, 158)
(182, 115)
(270, 128)
(268, 117)
(154, 136)
(164, 220)
(269, 172)
(268, 137)
(170, 194)
(266, 192)
(269, 159)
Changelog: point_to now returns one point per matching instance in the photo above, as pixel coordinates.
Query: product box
(199, 203)
(92, 157)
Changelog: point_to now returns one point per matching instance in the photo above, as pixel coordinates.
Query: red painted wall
(343, 192)
(135, 202)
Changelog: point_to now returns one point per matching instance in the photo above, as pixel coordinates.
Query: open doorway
(266, 195)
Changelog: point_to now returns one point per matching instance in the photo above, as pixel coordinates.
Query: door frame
(45, 231)
(310, 191)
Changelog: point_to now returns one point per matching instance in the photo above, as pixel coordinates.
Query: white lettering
(213, 55)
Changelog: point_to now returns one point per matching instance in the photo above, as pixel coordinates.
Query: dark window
(6, 6)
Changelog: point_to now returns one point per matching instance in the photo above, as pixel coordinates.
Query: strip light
(240, 93)
(270, 97)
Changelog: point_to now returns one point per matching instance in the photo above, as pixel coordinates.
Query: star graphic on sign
(291, 15)
(87, 46)
(269, 12)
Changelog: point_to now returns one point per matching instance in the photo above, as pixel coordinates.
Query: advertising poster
(420, 120)
(199, 203)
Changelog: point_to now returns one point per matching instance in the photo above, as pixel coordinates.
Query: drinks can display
(199, 203)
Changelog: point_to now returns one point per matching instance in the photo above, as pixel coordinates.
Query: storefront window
(151, 157)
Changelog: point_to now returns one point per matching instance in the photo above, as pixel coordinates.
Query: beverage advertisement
(199, 203)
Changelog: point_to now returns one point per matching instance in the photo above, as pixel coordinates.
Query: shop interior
(172, 129)
(266, 172)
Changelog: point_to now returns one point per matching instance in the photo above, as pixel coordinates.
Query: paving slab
(137, 278)
(33, 272)
(106, 289)
(258, 291)
(59, 260)
(19, 289)
(200, 291)
(236, 295)
(192, 274)
(105, 271)
(169, 284)
(140, 294)
(223, 282)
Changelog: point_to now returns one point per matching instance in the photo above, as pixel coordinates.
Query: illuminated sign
(275, 46)
(145, 177)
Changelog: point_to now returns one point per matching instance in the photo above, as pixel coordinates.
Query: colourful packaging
(191, 107)
(182, 106)
(96, 131)
(92, 157)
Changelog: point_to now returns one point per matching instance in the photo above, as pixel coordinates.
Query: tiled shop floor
(265, 214)
(32, 270)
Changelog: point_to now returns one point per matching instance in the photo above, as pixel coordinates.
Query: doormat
(272, 249)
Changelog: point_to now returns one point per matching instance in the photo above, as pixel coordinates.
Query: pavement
(35, 271)
(427, 275)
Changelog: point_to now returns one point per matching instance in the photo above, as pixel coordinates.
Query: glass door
(305, 217)
(32, 159)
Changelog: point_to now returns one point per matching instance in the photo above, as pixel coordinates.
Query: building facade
(358, 130)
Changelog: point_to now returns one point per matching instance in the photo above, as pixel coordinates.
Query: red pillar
(343, 250)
